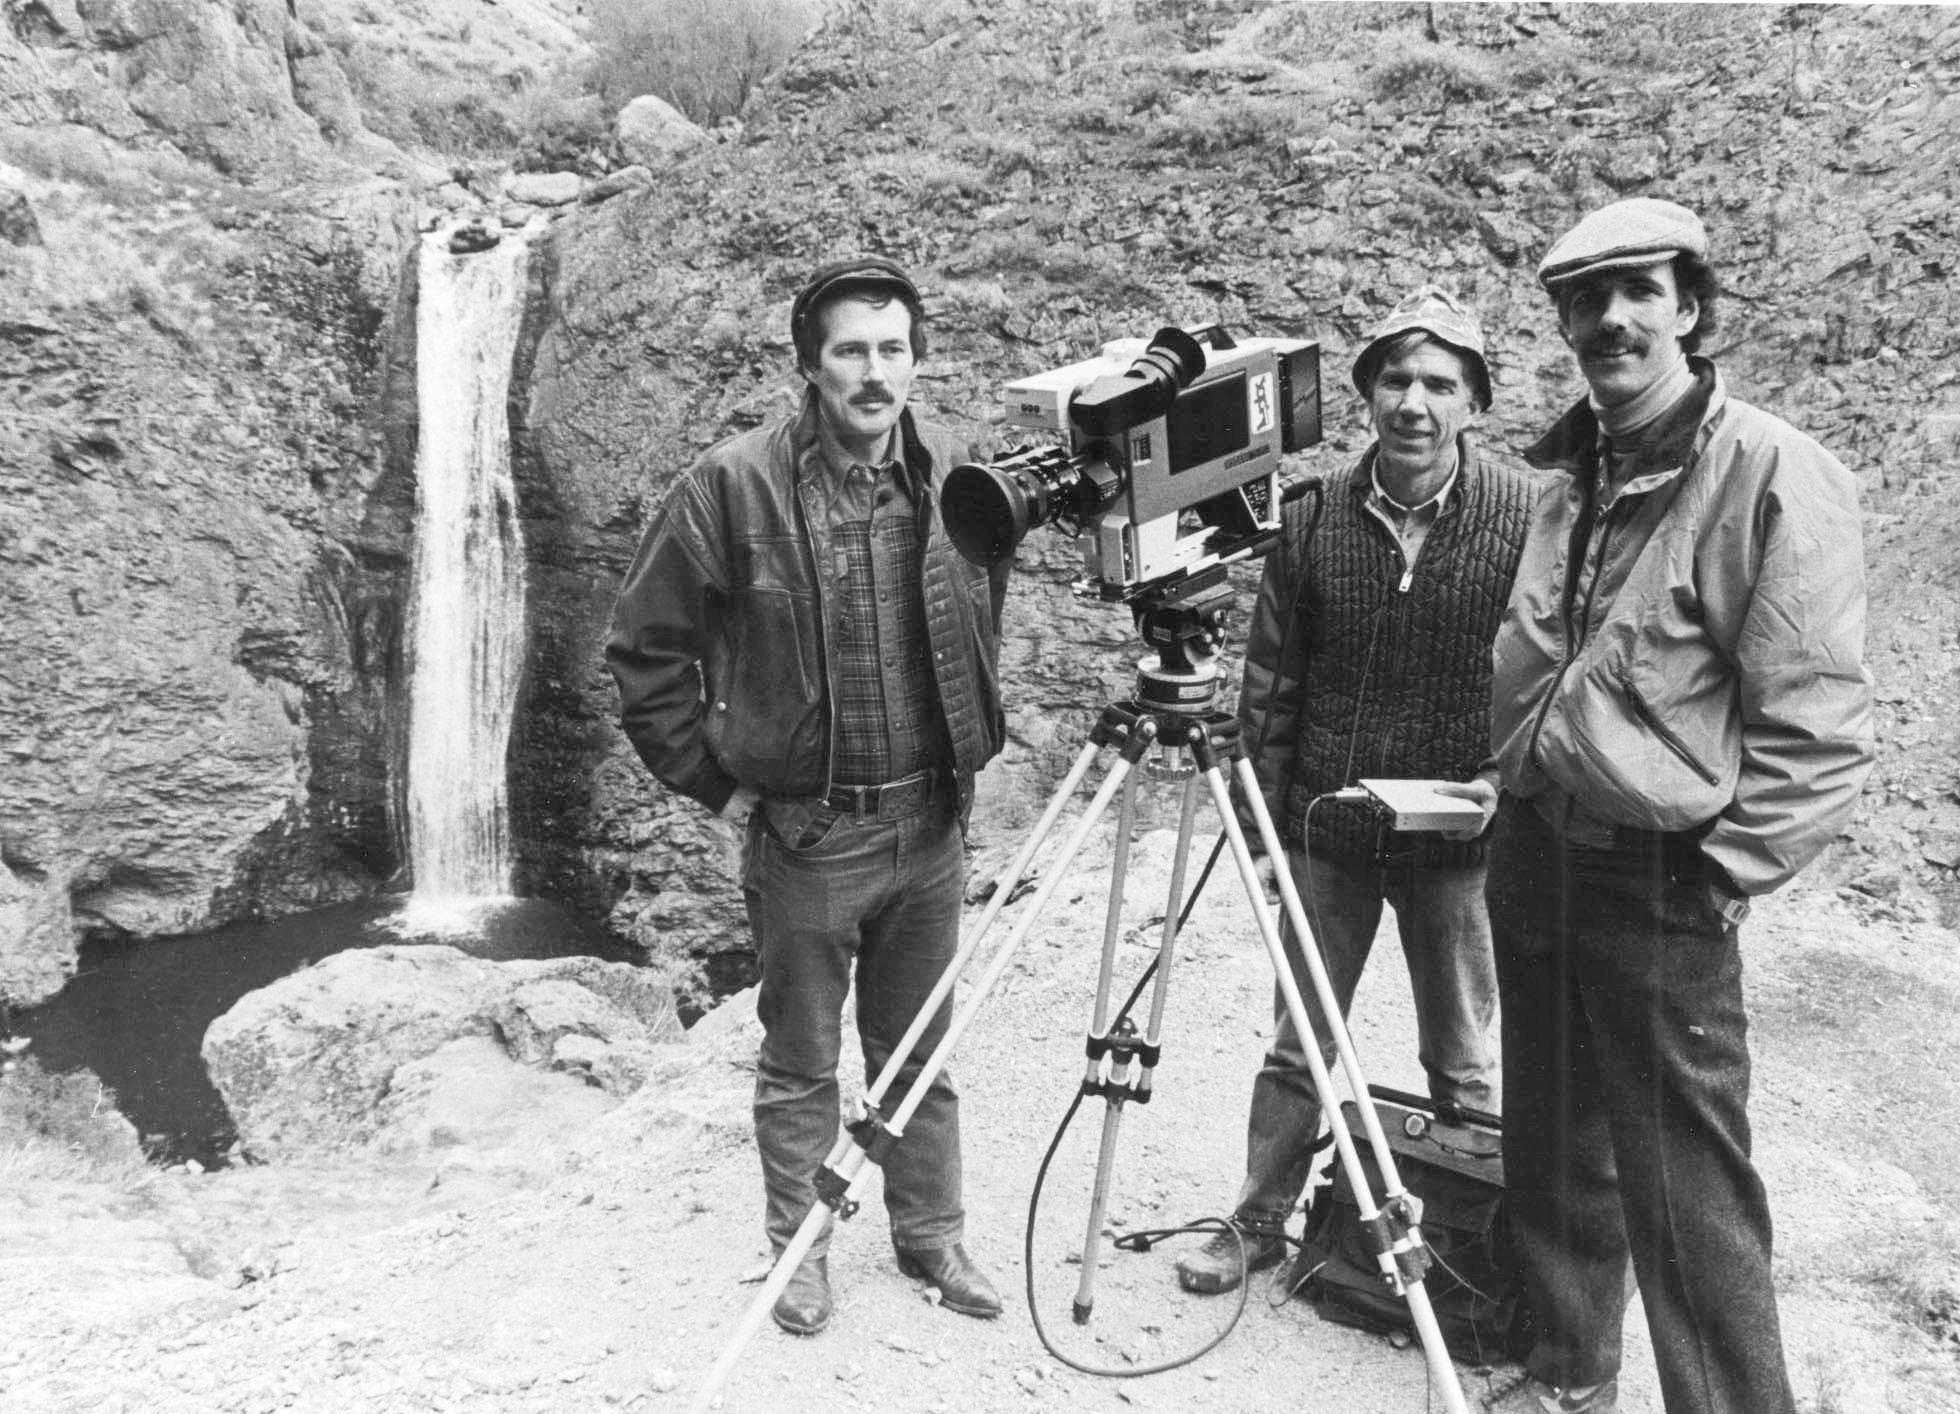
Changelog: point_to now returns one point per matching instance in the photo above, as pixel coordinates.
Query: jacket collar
(806, 443)
(1361, 480)
(1572, 444)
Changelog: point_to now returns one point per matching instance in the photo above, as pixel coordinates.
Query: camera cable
(1137, 1241)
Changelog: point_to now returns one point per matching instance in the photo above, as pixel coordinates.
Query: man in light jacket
(1682, 718)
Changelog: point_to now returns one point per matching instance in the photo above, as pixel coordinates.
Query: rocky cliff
(208, 441)
(207, 461)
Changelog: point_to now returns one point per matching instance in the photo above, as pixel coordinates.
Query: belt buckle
(901, 798)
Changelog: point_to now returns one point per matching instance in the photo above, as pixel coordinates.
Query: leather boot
(963, 1287)
(804, 1306)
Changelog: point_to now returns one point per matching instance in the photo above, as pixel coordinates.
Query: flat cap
(1638, 231)
(859, 272)
(1436, 313)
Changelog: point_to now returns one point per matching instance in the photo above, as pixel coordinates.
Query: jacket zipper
(1568, 652)
(1666, 733)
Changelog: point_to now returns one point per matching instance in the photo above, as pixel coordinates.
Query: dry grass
(1418, 77)
(65, 1127)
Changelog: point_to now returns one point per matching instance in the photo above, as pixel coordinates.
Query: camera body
(1163, 456)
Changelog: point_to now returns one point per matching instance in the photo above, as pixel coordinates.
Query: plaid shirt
(888, 719)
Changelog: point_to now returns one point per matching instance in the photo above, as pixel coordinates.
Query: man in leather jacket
(798, 647)
(1681, 718)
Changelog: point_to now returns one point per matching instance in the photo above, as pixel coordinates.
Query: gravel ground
(611, 1275)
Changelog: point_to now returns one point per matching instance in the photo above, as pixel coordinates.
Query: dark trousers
(878, 904)
(1626, 1132)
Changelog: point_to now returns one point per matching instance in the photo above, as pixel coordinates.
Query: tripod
(1173, 717)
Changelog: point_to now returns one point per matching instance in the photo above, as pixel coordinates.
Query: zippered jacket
(1361, 664)
(723, 636)
(1711, 673)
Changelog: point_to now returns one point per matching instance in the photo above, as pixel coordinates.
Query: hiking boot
(1527, 1394)
(1216, 1266)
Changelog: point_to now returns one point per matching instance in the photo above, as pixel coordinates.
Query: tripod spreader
(1124, 1044)
(1395, 1233)
(874, 1140)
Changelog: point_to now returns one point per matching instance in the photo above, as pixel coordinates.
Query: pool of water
(136, 1013)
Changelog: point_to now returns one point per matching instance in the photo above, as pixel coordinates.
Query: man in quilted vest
(1681, 719)
(1369, 655)
(799, 648)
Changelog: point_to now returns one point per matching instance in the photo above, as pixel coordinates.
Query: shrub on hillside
(1420, 76)
(703, 56)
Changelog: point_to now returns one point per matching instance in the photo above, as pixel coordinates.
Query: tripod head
(1183, 622)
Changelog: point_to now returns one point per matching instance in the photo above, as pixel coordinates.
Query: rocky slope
(209, 441)
(1061, 178)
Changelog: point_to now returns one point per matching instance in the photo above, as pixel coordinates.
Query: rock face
(425, 1047)
(203, 538)
(247, 88)
(207, 437)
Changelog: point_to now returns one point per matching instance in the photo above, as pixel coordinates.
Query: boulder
(409, 1048)
(543, 188)
(653, 133)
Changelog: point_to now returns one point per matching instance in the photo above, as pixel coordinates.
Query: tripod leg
(1403, 1257)
(1115, 1090)
(845, 1174)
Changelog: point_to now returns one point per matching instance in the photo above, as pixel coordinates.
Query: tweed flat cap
(1638, 231)
(1438, 314)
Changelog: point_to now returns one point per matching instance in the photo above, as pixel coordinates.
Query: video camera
(1166, 453)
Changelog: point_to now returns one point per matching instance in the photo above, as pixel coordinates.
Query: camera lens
(989, 507)
(986, 513)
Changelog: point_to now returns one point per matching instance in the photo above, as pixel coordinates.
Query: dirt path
(610, 1276)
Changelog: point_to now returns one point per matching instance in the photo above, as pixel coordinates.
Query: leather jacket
(723, 634)
(1712, 675)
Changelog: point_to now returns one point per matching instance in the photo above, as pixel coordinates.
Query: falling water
(467, 618)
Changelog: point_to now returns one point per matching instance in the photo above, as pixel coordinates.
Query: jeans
(882, 900)
(1446, 943)
(1626, 1132)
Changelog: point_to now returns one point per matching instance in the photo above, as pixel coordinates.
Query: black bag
(1454, 1164)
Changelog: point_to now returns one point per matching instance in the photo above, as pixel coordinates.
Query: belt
(894, 800)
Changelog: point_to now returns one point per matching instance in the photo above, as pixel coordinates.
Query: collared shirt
(887, 708)
(1409, 524)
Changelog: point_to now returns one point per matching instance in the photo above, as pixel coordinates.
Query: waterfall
(466, 620)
